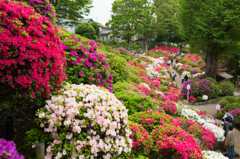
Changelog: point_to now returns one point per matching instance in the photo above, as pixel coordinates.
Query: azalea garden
(84, 99)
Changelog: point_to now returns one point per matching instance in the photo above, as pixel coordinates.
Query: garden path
(178, 78)
(211, 109)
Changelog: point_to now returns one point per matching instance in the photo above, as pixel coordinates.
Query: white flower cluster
(188, 113)
(205, 97)
(178, 65)
(197, 74)
(92, 118)
(186, 73)
(151, 71)
(213, 155)
(218, 132)
(157, 60)
(145, 85)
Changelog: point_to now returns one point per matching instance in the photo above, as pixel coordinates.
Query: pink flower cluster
(168, 49)
(31, 56)
(87, 119)
(175, 142)
(82, 57)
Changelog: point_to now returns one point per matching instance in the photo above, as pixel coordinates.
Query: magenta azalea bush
(84, 63)
(173, 142)
(141, 141)
(8, 150)
(31, 56)
(43, 7)
(205, 137)
(89, 120)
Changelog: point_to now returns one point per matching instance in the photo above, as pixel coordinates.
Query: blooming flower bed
(8, 150)
(90, 122)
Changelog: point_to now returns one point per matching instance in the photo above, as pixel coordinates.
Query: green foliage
(133, 100)
(130, 17)
(199, 98)
(230, 99)
(211, 26)
(227, 88)
(134, 75)
(167, 26)
(96, 28)
(86, 29)
(118, 68)
(150, 119)
(223, 103)
(68, 11)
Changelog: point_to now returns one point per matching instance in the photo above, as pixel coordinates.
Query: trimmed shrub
(32, 58)
(205, 137)
(227, 88)
(150, 119)
(230, 99)
(173, 142)
(84, 63)
(223, 103)
(84, 121)
(134, 100)
(43, 7)
(141, 141)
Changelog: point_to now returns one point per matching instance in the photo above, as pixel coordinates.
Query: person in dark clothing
(172, 62)
(226, 126)
(185, 77)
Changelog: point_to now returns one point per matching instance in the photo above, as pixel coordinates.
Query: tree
(145, 22)
(127, 14)
(167, 26)
(211, 26)
(96, 28)
(86, 29)
(69, 11)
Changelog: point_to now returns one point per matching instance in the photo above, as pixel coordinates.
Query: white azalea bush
(213, 155)
(85, 121)
(178, 65)
(189, 113)
(151, 71)
(205, 97)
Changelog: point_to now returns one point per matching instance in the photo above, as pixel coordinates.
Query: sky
(101, 11)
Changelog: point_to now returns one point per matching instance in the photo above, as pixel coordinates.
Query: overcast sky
(101, 11)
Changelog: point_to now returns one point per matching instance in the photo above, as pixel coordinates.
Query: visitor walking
(186, 77)
(229, 142)
(168, 63)
(229, 116)
(226, 125)
(171, 62)
(174, 76)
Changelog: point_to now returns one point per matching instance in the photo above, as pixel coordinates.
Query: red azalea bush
(141, 141)
(31, 56)
(168, 106)
(84, 63)
(150, 119)
(43, 7)
(206, 138)
(173, 142)
(171, 96)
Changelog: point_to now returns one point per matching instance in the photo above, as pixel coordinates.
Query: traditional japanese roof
(225, 75)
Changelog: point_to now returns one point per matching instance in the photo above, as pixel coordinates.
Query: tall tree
(127, 14)
(211, 26)
(167, 26)
(70, 11)
(86, 29)
(145, 22)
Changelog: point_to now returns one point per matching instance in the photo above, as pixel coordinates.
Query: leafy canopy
(70, 11)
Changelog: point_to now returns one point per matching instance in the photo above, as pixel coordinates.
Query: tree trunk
(145, 43)
(211, 64)
(128, 42)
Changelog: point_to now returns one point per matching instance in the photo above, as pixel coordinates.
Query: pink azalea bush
(141, 141)
(84, 63)
(89, 120)
(206, 138)
(173, 142)
(31, 56)
(43, 7)
(8, 150)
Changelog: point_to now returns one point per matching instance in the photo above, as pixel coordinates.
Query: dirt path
(178, 78)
